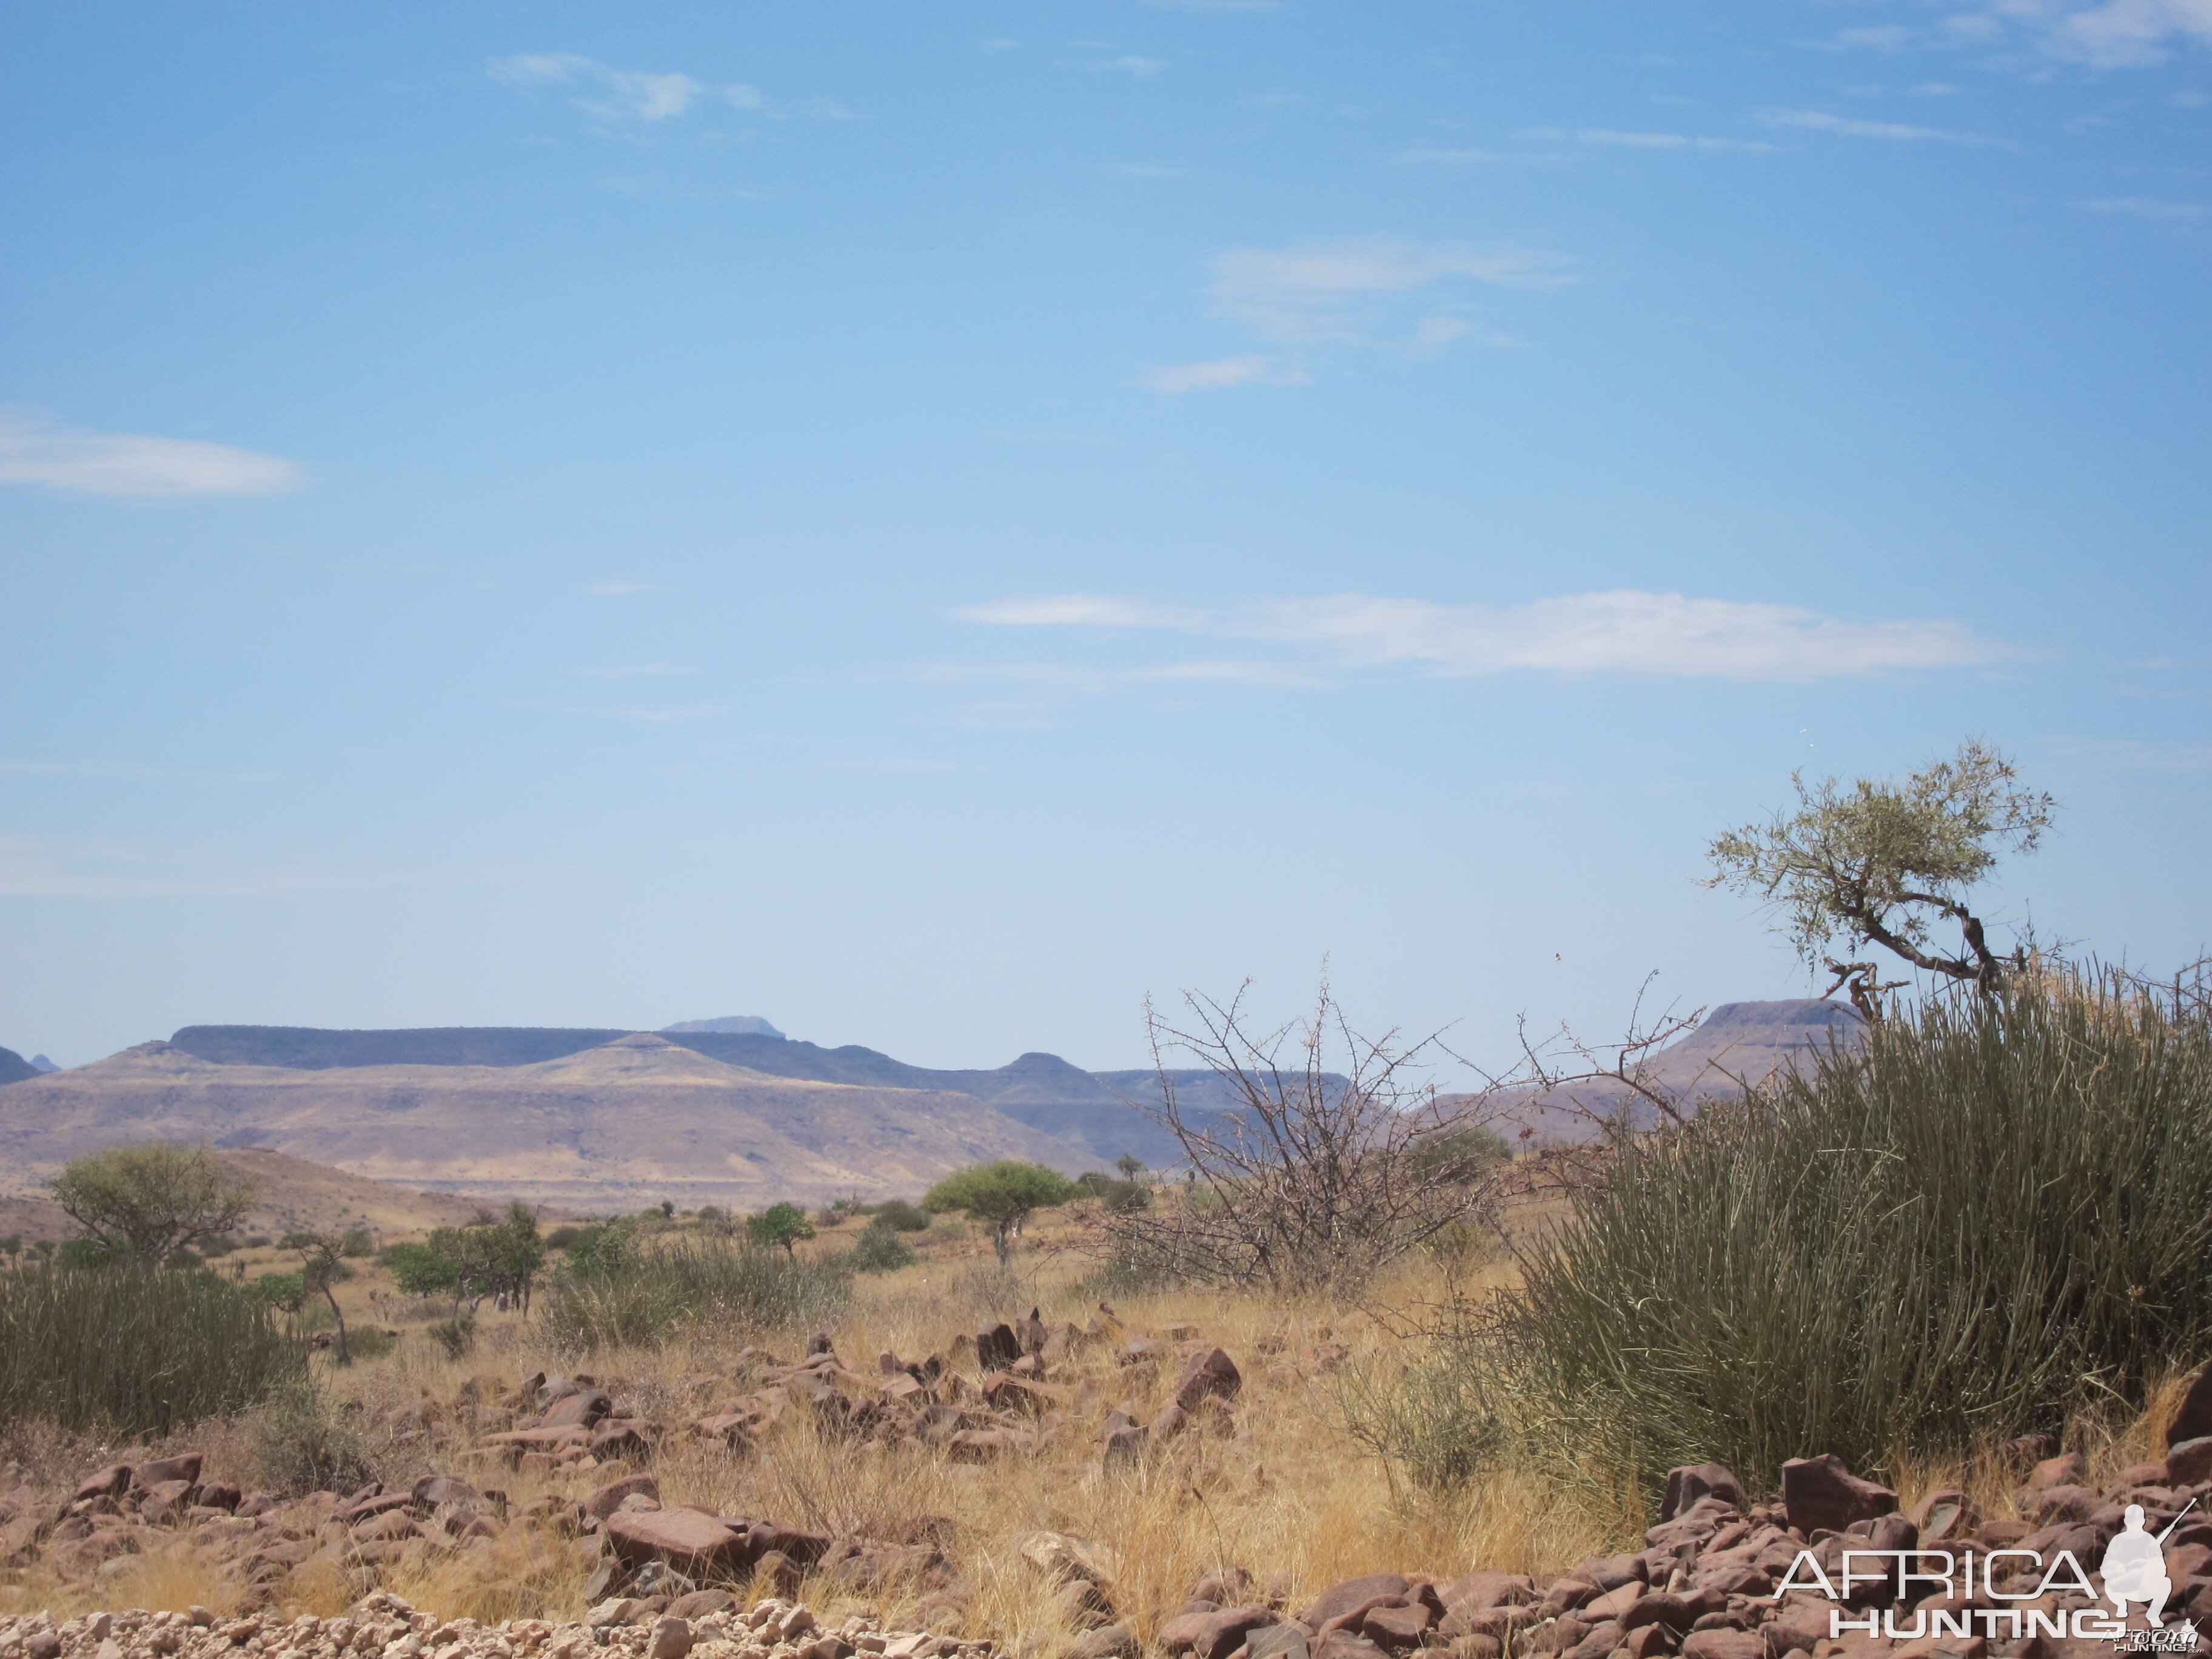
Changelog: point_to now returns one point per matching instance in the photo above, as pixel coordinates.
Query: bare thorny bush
(1313, 1178)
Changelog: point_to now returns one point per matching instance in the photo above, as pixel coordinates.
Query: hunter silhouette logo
(2134, 1566)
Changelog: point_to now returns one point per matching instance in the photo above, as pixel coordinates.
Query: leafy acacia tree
(1002, 1195)
(152, 1200)
(492, 1255)
(1881, 862)
(784, 1225)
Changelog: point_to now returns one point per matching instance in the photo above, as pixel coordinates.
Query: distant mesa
(40, 1063)
(603, 1117)
(727, 1025)
(1738, 1045)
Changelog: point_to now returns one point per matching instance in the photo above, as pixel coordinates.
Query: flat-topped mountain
(1092, 1111)
(628, 1121)
(1738, 1045)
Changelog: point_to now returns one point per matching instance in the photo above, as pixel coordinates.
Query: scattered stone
(2194, 1420)
(1689, 1485)
(1819, 1494)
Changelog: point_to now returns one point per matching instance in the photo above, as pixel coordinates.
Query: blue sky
(930, 522)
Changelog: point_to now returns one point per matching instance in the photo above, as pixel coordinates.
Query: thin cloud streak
(1220, 374)
(2138, 207)
(1625, 632)
(1613, 138)
(36, 449)
(1813, 120)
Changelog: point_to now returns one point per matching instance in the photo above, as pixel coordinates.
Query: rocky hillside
(1093, 1110)
(628, 1122)
(1737, 1045)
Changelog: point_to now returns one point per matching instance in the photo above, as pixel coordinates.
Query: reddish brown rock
(1819, 1494)
(608, 1499)
(111, 1482)
(580, 1410)
(1480, 1590)
(1354, 1596)
(686, 1538)
(617, 1437)
(805, 1548)
(2194, 1420)
(1945, 1513)
(2190, 1462)
(432, 1489)
(1724, 1644)
(2070, 1470)
(1210, 1375)
(185, 1466)
(1688, 1486)
(1394, 1629)
(1224, 1631)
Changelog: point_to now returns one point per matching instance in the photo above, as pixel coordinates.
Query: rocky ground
(662, 1579)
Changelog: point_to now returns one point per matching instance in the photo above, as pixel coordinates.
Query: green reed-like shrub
(1994, 1218)
(648, 1293)
(130, 1349)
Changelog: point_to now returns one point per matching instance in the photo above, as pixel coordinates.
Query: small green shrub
(130, 1349)
(879, 1249)
(358, 1242)
(644, 1295)
(457, 1335)
(368, 1341)
(901, 1216)
(303, 1441)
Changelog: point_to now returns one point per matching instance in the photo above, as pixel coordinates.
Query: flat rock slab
(682, 1538)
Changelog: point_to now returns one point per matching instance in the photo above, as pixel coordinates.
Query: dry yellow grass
(1291, 1496)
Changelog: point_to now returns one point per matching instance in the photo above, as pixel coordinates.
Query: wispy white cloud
(2133, 755)
(2112, 33)
(687, 714)
(1220, 374)
(1432, 156)
(1843, 126)
(1129, 63)
(2099, 34)
(618, 96)
(640, 670)
(611, 93)
(1620, 632)
(1001, 44)
(36, 449)
(1083, 611)
(616, 589)
(1073, 678)
(1615, 138)
(2140, 207)
(1331, 290)
(31, 868)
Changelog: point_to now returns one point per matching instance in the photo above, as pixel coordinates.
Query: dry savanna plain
(918, 1495)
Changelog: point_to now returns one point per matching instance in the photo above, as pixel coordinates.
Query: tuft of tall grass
(644, 1296)
(135, 1350)
(1989, 1221)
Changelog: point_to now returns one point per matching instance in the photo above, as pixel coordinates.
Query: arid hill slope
(630, 1122)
